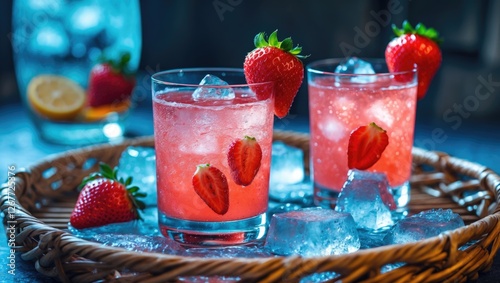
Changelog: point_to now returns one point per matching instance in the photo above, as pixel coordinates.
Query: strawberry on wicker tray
(415, 46)
(106, 199)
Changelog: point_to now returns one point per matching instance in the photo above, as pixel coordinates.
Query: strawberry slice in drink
(366, 145)
(244, 159)
(211, 185)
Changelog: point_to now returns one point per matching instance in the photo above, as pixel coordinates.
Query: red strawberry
(366, 145)
(244, 158)
(275, 61)
(211, 185)
(415, 46)
(109, 82)
(104, 200)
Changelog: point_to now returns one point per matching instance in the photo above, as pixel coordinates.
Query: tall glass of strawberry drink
(213, 146)
(339, 103)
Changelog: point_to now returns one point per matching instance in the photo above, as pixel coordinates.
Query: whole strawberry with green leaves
(275, 61)
(106, 199)
(415, 46)
(110, 82)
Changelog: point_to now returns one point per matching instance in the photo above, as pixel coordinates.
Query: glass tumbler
(195, 128)
(339, 103)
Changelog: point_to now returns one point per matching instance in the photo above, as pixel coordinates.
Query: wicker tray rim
(442, 250)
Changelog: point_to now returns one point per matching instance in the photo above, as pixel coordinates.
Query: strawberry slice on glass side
(415, 46)
(106, 199)
(275, 61)
(244, 158)
(211, 185)
(366, 145)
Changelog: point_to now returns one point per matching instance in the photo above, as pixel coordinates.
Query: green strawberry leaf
(106, 171)
(260, 40)
(128, 181)
(140, 195)
(420, 29)
(141, 205)
(272, 41)
(287, 44)
(407, 28)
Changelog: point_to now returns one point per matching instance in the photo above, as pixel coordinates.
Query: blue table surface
(21, 147)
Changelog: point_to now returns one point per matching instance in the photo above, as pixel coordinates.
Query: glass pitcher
(56, 43)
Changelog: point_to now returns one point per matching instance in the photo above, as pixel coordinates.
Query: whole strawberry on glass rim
(110, 82)
(106, 199)
(415, 46)
(276, 61)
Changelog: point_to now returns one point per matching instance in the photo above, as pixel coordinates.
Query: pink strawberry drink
(192, 131)
(339, 104)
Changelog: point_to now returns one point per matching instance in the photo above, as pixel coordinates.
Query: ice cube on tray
(423, 225)
(287, 164)
(366, 197)
(140, 163)
(243, 251)
(287, 182)
(312, 232)
(140, 243)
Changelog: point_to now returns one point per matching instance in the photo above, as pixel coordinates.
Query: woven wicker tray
(45, 195)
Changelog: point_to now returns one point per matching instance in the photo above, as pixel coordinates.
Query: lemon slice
(55, 97)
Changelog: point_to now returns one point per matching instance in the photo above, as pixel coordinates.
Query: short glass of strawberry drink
(213, 148)
(339, 103)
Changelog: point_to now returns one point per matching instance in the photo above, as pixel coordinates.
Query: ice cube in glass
(357, 66)
(207, 91)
